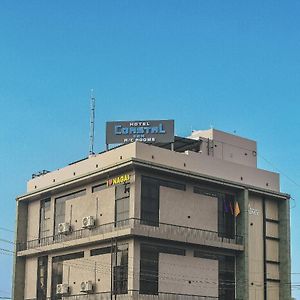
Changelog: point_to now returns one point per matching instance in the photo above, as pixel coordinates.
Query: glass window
(149, 270)
(150, 201)
(121, 270)
(226, 219)
(226, 277)
(99, 187)
(42, 273)
(122, 194)
(45, 214)
(100, 251)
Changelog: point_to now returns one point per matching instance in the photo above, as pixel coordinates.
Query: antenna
(92, 123)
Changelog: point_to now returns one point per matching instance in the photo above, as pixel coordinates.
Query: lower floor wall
(131, 269)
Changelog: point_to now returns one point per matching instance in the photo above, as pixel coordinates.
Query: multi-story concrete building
(193, 220)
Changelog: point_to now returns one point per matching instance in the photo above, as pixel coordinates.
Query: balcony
(136, 227)
(133, 295)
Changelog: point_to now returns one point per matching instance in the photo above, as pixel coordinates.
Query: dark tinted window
(122, 194)
(45, 216)
(99, 187)
(100, 251)
(148, 270)
(226, 219)
(42, 273)
(150, 201)
(120, 273)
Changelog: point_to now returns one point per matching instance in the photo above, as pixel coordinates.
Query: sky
(231, 65)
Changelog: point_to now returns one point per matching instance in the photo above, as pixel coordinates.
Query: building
(192, 219)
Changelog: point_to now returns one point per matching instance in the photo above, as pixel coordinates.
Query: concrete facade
(166, 226)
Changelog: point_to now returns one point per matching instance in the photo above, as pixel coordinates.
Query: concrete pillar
(284, 250)
(19, 262)
(242, 259)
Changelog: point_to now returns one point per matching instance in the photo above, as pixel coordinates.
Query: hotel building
(192, 219)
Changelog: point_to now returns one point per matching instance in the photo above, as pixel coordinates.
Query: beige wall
(272, 229)
(186, 208)
(91, 165)
(273, 290)
(100, 205)
(271, 209)
(189, 161)
(94, 268)
(207, 165)
(33, 220)
(30, 278)
(228, 146)
(256, 248)
(188, 275)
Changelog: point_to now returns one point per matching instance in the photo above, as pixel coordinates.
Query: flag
(231, 208)
(236, 209)
(226, 208)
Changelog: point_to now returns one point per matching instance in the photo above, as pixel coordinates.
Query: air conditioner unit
(86, 287)
(88, 222)
(62, 289)
(64, 228)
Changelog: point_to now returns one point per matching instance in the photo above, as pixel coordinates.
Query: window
(42, 272)
(99, 187)
(45, 212)
(150, 198)
(121, 270)
(149, 270)
(226, 219)
(150, 201)
(202, 254)
(172, 184)
(100, 251)
(171, 250)
(122, 193)
(57, 271)
(226, 273)
(226, 277)
(60, 207)
(201, 191)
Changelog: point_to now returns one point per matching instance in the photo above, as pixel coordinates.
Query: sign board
(154, 131)
(117, 180)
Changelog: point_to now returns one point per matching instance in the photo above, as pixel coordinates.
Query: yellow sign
(117, 180)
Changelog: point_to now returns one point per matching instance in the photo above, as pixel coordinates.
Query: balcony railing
(140, 227)
(133, 295)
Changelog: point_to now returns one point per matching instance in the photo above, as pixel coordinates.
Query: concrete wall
(33, 220)
(256, 248)
(186, 208)
(30, 278)
(94, 268)
(207, 165)
(188, 275)
(91, 165)
(189, 161)
(228, 147)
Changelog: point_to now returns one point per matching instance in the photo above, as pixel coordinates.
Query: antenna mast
(92, 123)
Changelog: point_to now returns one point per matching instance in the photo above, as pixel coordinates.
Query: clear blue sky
(231, 64)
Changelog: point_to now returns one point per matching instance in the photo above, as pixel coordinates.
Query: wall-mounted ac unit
(86, 287)
(62, 289)
(64, 228)
(88, 222)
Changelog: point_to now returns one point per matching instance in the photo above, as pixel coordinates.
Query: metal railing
(142, 227)
(132, 295)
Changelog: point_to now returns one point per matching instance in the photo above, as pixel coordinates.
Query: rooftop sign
(154, 131)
